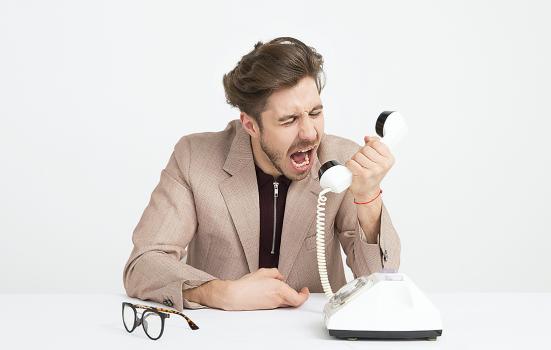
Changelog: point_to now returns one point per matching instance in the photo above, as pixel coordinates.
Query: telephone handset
(381, 305)
(335, 177)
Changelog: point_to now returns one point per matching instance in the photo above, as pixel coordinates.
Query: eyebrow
(285, 117)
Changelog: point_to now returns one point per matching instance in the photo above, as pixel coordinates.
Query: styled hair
(279, 63)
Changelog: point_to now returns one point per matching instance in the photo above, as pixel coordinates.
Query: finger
(292, 298)
(362, 159)
(379, 145)
(372, 154)
(384, 151)
(304, 293)
(355, 168)
(271, 273)
(368, 138)
(276, 274)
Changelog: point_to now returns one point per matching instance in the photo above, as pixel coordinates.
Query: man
(243, 200)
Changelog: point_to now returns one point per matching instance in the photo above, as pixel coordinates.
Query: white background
(94, 95)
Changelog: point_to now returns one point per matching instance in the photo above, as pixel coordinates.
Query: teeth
(306, 159)
(305, 150)
(300, 165)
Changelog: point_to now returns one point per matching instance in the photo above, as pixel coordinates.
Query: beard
(278, 160)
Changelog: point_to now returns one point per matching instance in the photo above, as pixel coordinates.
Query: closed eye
(291, 121)
(294, 118)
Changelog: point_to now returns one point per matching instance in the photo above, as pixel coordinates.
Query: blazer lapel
(300, 212)
(240, 192)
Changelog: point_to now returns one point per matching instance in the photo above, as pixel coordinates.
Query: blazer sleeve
(154, 270)
(366, 258)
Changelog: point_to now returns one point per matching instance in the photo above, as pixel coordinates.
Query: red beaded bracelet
(380, 191)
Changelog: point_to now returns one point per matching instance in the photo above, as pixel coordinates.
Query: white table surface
(84, 321)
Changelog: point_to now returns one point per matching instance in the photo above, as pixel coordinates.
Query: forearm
(369, 216)
(382, 250)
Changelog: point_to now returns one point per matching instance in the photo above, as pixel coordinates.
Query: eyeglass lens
(152, 324)
(129, 317)
(151, 321)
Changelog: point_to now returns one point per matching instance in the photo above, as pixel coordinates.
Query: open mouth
(302, 158)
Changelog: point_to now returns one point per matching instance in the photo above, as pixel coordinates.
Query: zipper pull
(276, 194)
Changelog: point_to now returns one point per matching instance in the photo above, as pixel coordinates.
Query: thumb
(369, 139)
(272, 273)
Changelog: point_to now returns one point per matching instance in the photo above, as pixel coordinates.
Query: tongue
(298, 157)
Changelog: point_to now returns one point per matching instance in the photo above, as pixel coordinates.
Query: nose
(307, 130)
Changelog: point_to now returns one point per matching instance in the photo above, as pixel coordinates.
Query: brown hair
(279, 63)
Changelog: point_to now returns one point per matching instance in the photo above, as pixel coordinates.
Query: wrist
(367, 196)
(217, 293)
(211, 294)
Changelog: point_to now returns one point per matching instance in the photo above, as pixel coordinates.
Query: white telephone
(381, 305)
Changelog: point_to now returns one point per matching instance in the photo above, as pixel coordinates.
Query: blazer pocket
(310, 241)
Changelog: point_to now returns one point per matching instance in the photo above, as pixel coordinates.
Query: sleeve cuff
(364, 239)
(175, 294)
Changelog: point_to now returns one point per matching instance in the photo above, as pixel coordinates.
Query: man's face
(292, 122)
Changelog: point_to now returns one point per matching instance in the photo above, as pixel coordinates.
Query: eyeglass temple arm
(191, 324)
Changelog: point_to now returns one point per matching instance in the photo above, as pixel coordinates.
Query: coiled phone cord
(320, 243)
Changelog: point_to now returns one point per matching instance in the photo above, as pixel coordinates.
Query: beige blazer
(206, 209)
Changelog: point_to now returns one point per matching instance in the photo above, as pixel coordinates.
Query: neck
(261, 159)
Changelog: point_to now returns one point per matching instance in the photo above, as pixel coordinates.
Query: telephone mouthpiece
(334, 176)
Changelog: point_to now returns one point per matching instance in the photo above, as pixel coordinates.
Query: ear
(250, 125)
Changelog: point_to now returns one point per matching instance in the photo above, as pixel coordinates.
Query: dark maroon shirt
(266, 192)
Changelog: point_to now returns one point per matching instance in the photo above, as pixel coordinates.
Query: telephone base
(383, 305)
(385, 335)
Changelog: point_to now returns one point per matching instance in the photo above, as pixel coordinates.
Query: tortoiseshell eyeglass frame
(163, 313)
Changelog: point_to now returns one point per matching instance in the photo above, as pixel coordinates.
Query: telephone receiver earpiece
(390, 126)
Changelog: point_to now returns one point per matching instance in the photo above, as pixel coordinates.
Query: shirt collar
(263, 179)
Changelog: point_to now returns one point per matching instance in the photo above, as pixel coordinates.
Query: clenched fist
(369, 166)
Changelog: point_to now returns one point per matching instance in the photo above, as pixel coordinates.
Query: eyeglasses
(152, 319)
